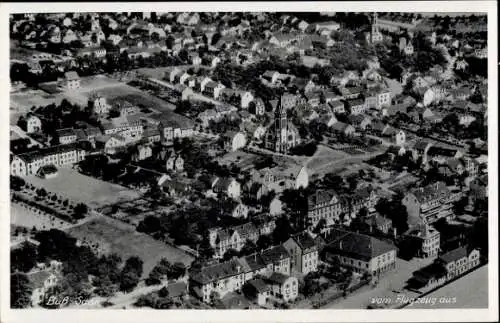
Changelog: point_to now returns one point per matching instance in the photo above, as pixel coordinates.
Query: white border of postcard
(98, 315)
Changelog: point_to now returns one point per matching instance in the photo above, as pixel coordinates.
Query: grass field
(118, 237)
(75, 186)
(240, 158)
(22, 216)
(323, 156)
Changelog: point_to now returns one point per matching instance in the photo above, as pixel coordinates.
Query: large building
(428, 204)
(282, 134)
(361, 253)
(62, 155)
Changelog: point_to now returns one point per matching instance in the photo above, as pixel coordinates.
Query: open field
(118, 237)
(22, 101)
(23, 216)
(75, 186)
(240, 158)
(323, 156)
(112, 90)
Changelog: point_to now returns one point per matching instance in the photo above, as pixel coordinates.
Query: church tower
(375, 34)
(281, 126)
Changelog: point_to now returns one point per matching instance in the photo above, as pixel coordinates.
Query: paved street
(388, 287)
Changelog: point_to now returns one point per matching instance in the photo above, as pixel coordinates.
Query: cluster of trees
(394, 62)
(163, 270)
(78, 263)
(394, 210)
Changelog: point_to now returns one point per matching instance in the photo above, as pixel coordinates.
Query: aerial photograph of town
(248, 160)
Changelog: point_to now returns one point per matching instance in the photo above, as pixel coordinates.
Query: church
(374, 36)
(282, 134)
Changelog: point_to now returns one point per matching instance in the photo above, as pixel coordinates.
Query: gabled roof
(454, 255)
(304, 241)
(431, 192)
(278, 278)
(357, 245)
(274, 254)
(72, 75)
(216, 272)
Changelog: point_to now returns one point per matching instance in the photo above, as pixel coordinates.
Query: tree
(128, 281)
(20, 290)
(149, 224)
(23, 258)
(105, 287)
(282, 231)
(159, 272)
(230, 253)
(169, 42)
(395, 211)
(80, 210)
(177, 270)
(215, 38)
(310, 286)
(249, 291)
(16, 183)
(131, 274)
(264, 241)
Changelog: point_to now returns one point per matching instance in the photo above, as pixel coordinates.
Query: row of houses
(277, 266)
(327, 204)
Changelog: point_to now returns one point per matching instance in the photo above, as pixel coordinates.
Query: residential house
(99, 105)
(357, 106)
(111, 144)
(337, 106)
(33, 124)
(343, 128)
(246, 98)
(43, 281)
(324, 204)
(221, 240)
(72, 80)
(258, 107)
(228, 186)
(234, 140)
(261, 289)
(172, 125)
(428, 204)
(142, 152)
(215, 281)
(277, 259)
(283, 287)
(429, 239)
(175, 163)
(271, 76)
(304, 252)
(459, 261)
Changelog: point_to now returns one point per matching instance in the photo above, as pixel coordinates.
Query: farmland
(117, 237)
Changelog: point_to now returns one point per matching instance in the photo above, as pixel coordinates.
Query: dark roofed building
(362, 253)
